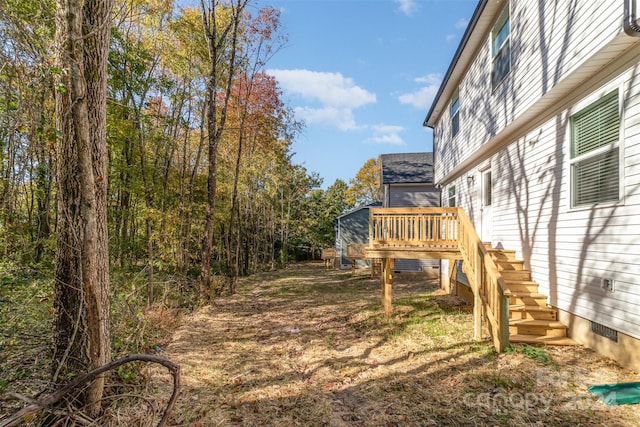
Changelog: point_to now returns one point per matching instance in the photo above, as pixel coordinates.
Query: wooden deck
(447, 233)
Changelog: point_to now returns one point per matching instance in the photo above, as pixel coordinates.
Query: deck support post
(477, 301)
(387, 282)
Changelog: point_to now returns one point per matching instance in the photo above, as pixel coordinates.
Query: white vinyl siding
(543, 55)
(556, 71)
(570, 251)
(595, 171)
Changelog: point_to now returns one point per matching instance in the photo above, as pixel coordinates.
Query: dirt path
(309, 347)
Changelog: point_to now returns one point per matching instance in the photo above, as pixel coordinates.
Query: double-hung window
(500, 49)
(595, 158)
(452, 196)
(455, 113)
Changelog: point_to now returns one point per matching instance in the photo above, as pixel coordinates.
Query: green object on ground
(617, 394)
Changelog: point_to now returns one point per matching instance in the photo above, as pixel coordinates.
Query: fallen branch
(50, 400)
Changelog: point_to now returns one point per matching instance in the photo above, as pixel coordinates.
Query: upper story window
(500, 48)
(452, 196)
(595, 159)
(455, 113)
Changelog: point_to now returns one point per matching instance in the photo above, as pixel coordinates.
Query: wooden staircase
(531, 320)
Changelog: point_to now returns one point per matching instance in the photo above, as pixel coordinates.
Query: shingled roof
(407, 168)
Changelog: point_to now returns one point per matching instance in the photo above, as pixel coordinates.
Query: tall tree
(365, 186)
(323, 207)
(81, 336)
(222, 30)
(255, 107)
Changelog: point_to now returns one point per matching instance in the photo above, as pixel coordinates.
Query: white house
(536, 131)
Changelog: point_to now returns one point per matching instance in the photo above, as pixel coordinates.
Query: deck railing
(450, 227)
(413, 226)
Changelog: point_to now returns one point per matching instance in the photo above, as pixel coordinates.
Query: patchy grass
(532, 352)
(306, 346)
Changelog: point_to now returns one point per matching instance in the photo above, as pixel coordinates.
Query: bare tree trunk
(81, 335)
(219, 40)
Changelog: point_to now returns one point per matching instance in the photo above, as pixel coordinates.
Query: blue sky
(362, 75)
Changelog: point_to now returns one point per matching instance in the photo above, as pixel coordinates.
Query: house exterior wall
(416, 195)
(568, 249)
(547, 44)
(352, 228)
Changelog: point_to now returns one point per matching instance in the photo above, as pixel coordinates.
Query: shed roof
(407, 168)
(354, 210)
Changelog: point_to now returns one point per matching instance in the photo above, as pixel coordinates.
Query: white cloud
(342, 118)
(386, 134)
(431, 79)
(408, 7)
(331, 89)
(330, 97)
(462, 23)
(450, 37)
(423, 96)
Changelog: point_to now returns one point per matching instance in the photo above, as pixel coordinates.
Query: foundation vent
(604, 331)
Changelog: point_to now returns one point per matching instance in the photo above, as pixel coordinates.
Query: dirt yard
(310, 347)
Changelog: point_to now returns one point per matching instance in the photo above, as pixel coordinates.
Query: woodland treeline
(268, 210)
(143, 138)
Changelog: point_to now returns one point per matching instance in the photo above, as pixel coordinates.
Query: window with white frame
(455, 113)
(452, 196)
(500, 48)
(595, 158)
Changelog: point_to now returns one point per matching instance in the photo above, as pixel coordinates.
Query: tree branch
(50, 400)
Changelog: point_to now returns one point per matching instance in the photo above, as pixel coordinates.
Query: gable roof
(407, 168)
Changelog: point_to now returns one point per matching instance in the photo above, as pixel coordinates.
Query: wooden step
(519, 286)
(548, 328)
(509, 275)
(537, 339)
(528, 298)
(535, 312)
(504, 265)
(503, 254)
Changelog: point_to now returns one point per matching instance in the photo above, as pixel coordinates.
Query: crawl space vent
(604, 331)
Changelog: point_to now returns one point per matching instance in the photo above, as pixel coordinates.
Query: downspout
(631, 26)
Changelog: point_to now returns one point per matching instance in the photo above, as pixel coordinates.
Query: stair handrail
(491, 295)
